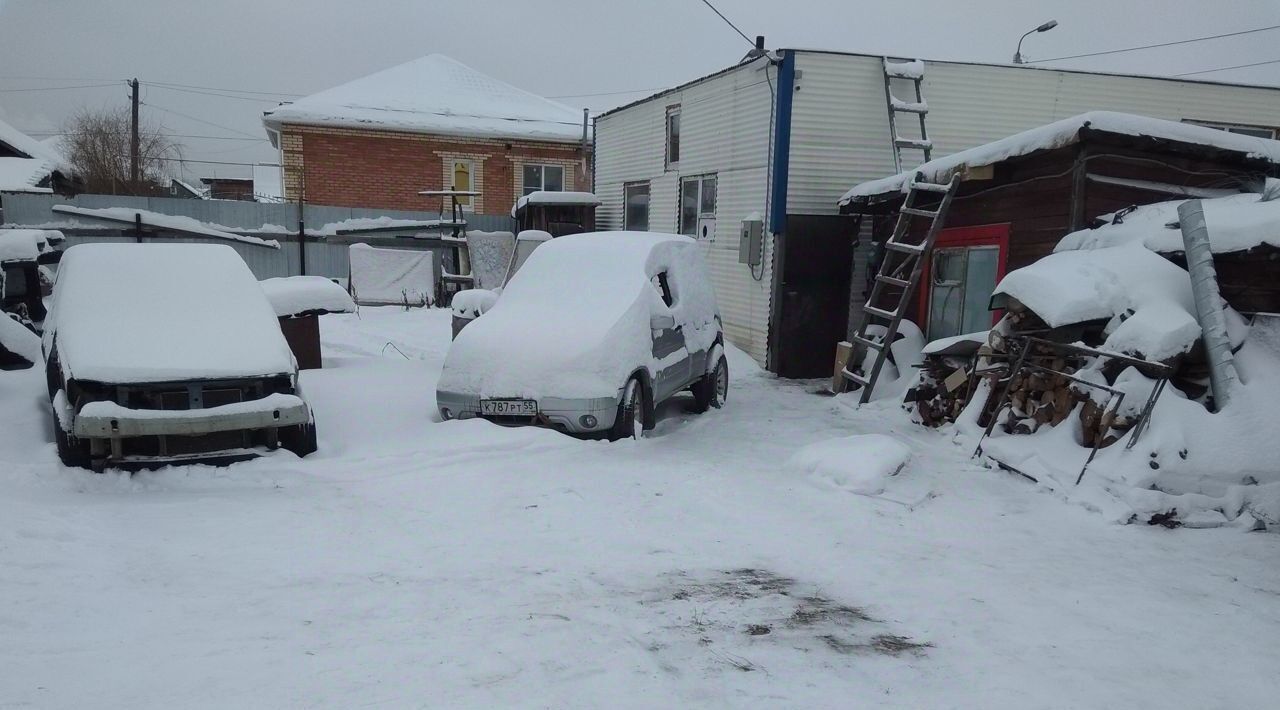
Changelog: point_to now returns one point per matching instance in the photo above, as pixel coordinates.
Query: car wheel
(300, 439)
(713, 389)
(629, 424)
(71, 451)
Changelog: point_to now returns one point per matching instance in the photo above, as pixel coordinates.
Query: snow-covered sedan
(593, 332)
(158, 353)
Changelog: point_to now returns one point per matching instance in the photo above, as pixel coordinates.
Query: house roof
(1066, 132)
(438, 95)
(34, 162)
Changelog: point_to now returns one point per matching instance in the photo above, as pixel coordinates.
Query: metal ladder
(912, 71)
(898, 275)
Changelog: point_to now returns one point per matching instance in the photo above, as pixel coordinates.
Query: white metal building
(782, 137)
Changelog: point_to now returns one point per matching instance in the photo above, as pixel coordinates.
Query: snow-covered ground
(415, 563)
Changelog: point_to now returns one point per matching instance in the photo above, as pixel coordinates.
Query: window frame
(1240, 129)
(467, 203)
(701, 214)
(626, 205)
(670, 161)
(542, 187)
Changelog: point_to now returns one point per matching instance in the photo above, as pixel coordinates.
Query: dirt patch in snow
(736, 616)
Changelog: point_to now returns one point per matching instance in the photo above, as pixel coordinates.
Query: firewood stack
(942, 392)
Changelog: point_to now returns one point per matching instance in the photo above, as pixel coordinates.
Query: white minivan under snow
(589, 336)
(158, 353)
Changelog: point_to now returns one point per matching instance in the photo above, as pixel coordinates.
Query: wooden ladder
(912, 71)
(898, 276)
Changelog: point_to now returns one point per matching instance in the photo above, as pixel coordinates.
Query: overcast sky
(557, 48)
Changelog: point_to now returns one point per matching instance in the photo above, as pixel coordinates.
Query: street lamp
(1017, 55)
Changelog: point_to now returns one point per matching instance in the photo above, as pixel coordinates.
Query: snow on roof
(1236, 223)
(22, 174)
(546, 197)
(128, 313)
(306, 295)
(25, 244)
(434, 94)
(1067, 132)
(175, 223)
(1147, 297)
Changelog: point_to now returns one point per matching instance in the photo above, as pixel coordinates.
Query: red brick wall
(387, 169)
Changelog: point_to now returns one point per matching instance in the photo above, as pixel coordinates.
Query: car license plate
(508, 407)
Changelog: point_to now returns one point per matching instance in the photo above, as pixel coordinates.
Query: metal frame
(1114, 395)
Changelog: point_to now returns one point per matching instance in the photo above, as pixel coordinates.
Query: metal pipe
(1223, 377)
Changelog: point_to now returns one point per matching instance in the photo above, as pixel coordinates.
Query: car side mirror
(662, 321)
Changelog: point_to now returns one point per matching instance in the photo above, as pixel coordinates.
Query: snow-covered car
(593, 332)
(157, 353)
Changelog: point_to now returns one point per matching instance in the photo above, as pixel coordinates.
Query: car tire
(72, 452)
(300, 439)
(713, 389)
(630, 423)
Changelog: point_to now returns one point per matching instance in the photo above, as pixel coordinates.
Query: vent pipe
(1204, 288)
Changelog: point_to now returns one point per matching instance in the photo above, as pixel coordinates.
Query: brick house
(429, 124)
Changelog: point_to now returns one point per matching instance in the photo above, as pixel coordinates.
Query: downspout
(1223, 377)
(776, 196)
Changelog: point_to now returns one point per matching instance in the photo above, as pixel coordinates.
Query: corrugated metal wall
(724, 126)
(840, 127)
(325, 256)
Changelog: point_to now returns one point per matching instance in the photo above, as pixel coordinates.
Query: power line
(57, 88)
(1153, 46)
(260, 99)
(198, 120)
(218, 88)
(728, 22)
(1238, 66)
(49, 134)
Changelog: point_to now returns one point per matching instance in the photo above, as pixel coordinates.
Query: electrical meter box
(751, 240)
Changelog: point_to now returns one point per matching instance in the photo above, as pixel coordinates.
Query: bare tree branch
(97, 146)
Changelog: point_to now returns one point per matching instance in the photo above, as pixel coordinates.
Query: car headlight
(446, 413)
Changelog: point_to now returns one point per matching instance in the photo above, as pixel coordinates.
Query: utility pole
(133, 138)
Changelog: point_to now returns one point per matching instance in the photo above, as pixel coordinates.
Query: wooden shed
(1021, 195)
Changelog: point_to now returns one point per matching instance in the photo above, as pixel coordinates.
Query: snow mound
(1236, 223)
(1147, 297)
(25, 244)
(306, 295)
(472, 303)
(858, 464)
(20, 341)
(434, 94)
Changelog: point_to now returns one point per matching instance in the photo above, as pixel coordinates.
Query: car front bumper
(566, 414)
(110, 420)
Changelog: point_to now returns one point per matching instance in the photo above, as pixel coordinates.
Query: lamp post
(1017, 55)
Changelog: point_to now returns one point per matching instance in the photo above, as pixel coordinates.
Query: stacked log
(943, 390)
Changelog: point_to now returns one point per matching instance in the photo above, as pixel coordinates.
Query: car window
(661, 283)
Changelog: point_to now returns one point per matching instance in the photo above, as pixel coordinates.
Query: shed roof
(438, 95)
(33, 163)
(1066, 132)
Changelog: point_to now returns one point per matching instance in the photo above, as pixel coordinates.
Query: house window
(673, 137)
(635, 215)
(543, 177)
(1255, 131)
(461, 172)
(697, 201)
